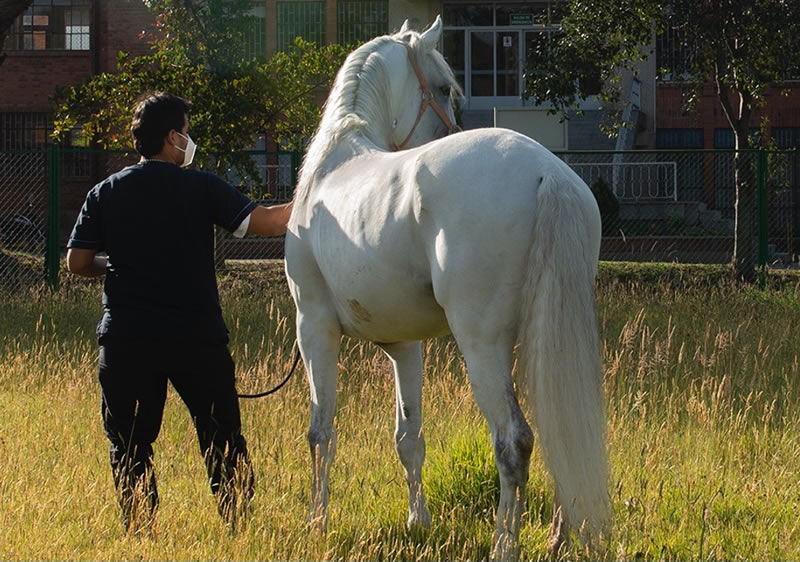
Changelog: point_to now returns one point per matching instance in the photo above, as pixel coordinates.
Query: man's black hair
(155, 116)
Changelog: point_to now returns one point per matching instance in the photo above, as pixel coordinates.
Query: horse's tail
(560, 350)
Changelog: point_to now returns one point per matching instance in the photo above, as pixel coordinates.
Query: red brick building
(55, 44)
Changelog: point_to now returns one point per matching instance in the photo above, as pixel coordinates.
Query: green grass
(702, 379)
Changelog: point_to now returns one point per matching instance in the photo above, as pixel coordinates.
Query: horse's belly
(388, 310)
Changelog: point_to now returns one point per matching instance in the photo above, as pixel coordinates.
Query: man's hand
(86, 263)
(270, 221)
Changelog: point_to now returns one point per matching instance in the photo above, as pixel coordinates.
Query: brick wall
(782, 111)
(30, 78)
(122, 25)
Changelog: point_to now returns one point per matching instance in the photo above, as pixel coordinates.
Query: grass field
(702, 379)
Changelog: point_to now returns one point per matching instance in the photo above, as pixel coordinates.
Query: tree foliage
(583, 59)
(740, 46)
(745, 45)
(199, 52)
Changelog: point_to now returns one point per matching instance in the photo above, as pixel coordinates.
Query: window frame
(299, 24)
(349, 14)
(22, 131)
(52, 25)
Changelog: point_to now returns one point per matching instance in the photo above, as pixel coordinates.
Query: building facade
(489, 44)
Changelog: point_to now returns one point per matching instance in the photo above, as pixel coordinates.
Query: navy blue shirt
(156, 223)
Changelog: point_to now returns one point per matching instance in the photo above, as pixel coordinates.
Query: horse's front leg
(319, 338)
(406, 358)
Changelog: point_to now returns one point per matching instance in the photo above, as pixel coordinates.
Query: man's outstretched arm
(270, 221)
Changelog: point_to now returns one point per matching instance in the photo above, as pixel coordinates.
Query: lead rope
(283, 382)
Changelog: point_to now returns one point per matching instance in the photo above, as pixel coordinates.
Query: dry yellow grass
(703, 407)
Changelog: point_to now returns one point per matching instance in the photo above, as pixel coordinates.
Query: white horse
(483, 234)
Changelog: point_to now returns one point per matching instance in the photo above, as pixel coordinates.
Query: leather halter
(427, 100)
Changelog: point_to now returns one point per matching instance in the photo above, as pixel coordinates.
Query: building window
(489, 14)
(300, 19)
(255, 37)
(679, 138)
(29, 131)
(674, 54)
(787, 137)
(51, 24)
(21, 131)
(689, 170)
(724, 138)
(358, 21)
(491, 45)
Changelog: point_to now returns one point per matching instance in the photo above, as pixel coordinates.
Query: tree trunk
(744, 243)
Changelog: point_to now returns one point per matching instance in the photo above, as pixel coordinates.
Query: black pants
(133, 378)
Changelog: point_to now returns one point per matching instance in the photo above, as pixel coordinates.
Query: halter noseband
(427, 100)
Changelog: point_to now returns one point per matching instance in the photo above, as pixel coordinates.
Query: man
(162, 318)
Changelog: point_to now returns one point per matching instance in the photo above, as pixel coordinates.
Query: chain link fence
(23, 218)
(666, 206)
(680, 206)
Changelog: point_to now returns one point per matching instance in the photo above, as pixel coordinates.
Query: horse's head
(396, 90)
(422, 88)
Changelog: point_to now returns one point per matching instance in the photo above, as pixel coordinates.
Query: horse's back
(398, 238)
(480, 188)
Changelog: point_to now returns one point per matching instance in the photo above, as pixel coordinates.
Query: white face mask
(188, 152)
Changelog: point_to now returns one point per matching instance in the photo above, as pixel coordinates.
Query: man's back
(155, 222)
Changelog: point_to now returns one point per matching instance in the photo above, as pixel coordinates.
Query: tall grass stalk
(703, 411)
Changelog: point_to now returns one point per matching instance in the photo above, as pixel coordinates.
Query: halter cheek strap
(427, 100)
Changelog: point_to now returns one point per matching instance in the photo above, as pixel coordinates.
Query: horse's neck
(321, 160)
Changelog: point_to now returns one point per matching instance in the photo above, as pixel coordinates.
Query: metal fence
(673, 206)
(24, 204)
(679, 206)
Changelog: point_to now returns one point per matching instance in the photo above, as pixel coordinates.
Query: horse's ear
(405, 28)
(430, 37)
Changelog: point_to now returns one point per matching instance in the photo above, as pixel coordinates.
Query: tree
(198, 51)
(740, 46)
(9, 11)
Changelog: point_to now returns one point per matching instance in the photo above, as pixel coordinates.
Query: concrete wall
(549, 130)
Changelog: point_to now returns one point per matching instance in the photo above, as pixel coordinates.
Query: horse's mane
(358, 100)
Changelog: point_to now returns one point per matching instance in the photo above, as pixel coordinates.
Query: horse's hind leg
(409, 442)
(489, 369)
(318, 339)
(559, 533)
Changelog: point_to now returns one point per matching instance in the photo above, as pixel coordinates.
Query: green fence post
(761, 187)
(53, 251)
(296, 157)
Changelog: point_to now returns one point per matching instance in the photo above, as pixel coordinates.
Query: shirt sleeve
(86, 233)
(241, 230)
(229, 207)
